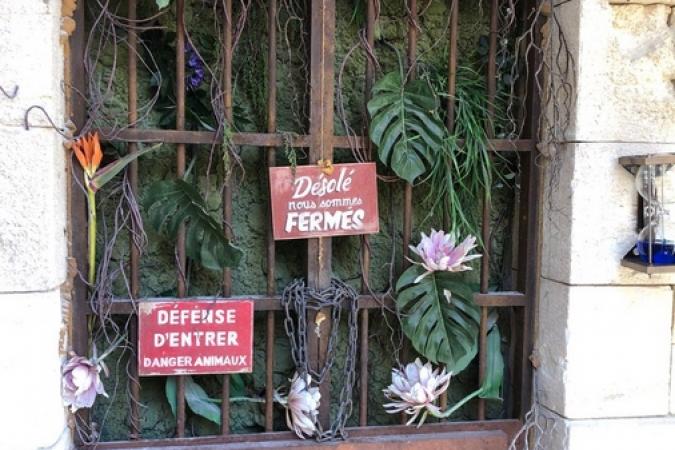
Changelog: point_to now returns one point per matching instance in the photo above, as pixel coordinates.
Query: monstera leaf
(444, 328)
(404, 125)
(173, 202)
(492, 384)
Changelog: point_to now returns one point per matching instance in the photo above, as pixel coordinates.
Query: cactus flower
(415, 389)
(302, 406)
(439, 253)
(81, 383)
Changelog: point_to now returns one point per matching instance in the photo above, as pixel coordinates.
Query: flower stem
(447, 413)
(91, 207)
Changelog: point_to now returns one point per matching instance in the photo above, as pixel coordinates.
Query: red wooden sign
(195, 337)
(314, 204)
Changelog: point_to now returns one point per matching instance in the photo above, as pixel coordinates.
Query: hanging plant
(404, 125)
(170, 203)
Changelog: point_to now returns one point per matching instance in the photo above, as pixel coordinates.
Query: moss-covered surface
(158, 276)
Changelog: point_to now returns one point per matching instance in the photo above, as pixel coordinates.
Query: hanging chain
(297, 300)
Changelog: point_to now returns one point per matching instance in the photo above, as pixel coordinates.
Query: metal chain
(297, 299)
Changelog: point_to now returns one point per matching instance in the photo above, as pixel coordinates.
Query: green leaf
(405, 125)
(443, 332)
(170, 391)
(102, 176)
(199, 401)
(162, 3)
(170, 203)
(494, 370)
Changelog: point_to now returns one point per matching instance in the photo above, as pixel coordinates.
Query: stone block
(626, 70)
(590, 215)
(33, 212)
(31, 372)
(605, 350)
(623, 434)
(672, 380)
(37, 70)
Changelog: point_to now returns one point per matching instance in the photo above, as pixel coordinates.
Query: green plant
(405, 125)
(199, 401)
(170, 203)
(444, 330)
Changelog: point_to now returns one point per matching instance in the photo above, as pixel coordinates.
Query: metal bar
(78, 210)
(509, 427)
(134, 253)
(407, 193)
(485, 228)
(227, 190)
(270, 139)
(319, 270)
(180, 171)
(450, 113)
(124, 306)
(271, 260)
(534, 221)
(365, 247)
(503, 299)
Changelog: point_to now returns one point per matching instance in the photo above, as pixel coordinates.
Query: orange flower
(87, 149)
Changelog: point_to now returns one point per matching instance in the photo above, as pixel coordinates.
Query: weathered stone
(33, 212)
(37, 70)
(622, 434)
(31, 372)
(605, 350)
(626, 69)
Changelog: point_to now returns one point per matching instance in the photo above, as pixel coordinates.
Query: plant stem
(91, 207)
(447, 413)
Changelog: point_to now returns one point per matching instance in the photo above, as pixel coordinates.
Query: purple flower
(81, 383)
(439, 253)
(302, 405)
(195, 65)
(415, 389)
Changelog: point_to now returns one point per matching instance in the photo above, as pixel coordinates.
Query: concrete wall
(32, 228)
(605, 333)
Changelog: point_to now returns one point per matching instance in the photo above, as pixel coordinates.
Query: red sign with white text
(313, 204)
(195, 337)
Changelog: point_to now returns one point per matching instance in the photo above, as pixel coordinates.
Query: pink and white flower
(81, 383)
(415, 389)
(439, 253)
(302, 406)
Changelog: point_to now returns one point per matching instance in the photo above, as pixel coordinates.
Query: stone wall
(605, 332)
(32, 227)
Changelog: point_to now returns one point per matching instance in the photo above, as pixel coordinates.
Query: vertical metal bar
(132, 71)
(180, 171)
(485, 235)
(408, 189)
(365, 250)
(321, 137)
(227, 191)
(534, 231)
(78, 210)
(271, 161)
(450, 117)
(407, 193)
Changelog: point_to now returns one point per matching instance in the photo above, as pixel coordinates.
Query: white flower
(439, 253)
(302, 406)
(415, 389)
(81, 383)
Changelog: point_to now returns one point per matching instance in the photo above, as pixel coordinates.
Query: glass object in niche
(656, 186)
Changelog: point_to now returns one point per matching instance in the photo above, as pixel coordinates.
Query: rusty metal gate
(480, 434)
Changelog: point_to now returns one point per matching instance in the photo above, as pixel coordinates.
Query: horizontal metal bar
(268, 139)
(125, 306)
(501, 299)
(509, 427)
